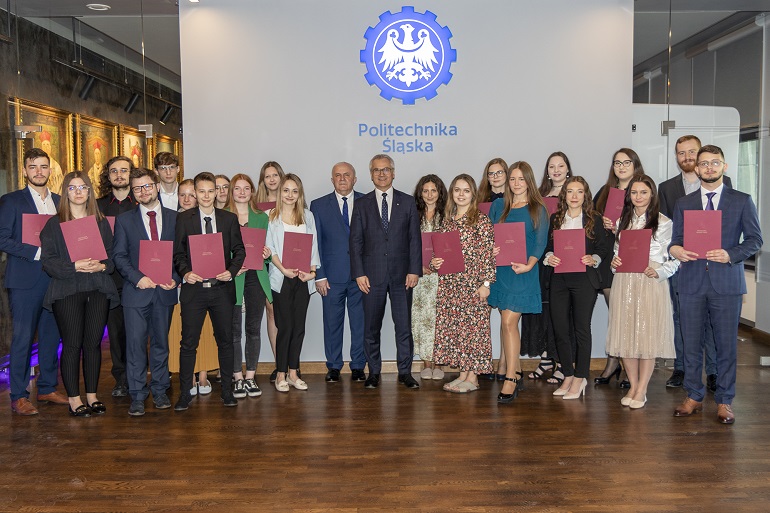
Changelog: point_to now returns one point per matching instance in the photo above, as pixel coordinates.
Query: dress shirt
(715, 199)
(350, 203)
(170, 199)
(43, 206)
(689, 187)
(112, 206)
(158, 219)
(213, 216)
(389, 198)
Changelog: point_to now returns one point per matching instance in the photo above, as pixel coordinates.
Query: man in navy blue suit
(334, 283)
(712, 285)
(27, 283)
(386, 262)
(147, 306)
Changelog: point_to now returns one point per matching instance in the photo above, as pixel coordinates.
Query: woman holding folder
(517, 288)
(252, 289)
(291, 284)
(576, 290)
(641, 322)
(80, 293)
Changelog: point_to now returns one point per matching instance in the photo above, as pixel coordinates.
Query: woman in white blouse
(641, 326)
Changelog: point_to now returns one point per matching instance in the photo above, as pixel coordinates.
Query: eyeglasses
(167, 168)
(382, 170)
(492, 174)
(146, 187)
(222, 187)
(623, 163)
(705, 164)
(81, 188)
(122, 171)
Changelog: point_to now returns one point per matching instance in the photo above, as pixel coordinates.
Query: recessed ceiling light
(99, 7)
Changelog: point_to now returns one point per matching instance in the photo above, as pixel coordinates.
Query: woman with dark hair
(517, 287)
(80, 293)
(575, 291)
(557, 170)
(431, 196)
(624, 166)
(641, 322)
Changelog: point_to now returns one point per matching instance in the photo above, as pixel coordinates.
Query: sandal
(464, 387)
(546, 364)
(448, 386)
(556, 379)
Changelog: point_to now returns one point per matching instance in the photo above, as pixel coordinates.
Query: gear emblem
(408, 55)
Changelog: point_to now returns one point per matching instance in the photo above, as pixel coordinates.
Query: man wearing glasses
(712, 285)
(167, 166)
(117, 199)
(147, 305)
(386, 261)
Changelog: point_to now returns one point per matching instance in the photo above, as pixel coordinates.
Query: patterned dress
(463, 337)
(424, 308)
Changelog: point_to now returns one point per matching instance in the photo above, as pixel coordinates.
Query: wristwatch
(486, 284)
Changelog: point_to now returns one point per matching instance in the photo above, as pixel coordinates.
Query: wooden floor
(338, 447)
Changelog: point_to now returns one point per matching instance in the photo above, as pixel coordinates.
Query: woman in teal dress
(517, 287)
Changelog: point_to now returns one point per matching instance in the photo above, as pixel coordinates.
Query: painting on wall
(54, 137)
(97, 143)
(134, 145)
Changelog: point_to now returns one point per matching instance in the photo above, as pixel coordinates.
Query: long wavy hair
(534, 201)
(653, 209)
(105, 186)
(485, 190)
(65, 211)
(230, 204)
(262, 193)
(422, 209)
(588, 206)
(612, 179)
(546, 184)
(473, 209)
(298, 212)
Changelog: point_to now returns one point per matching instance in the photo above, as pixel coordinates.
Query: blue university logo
(408, 55)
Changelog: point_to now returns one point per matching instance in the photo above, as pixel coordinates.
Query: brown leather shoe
(54, 398)
(688, 407)
(725, 413)
(22, 406)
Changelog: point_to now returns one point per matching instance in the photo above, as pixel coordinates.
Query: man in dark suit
(334, 283)
(713, 284)
(117, 199)
(386, 261)
(147, 305)
(686, 149)
(215, 296)
(27, 283)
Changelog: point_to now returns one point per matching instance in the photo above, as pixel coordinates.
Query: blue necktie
(345, 212)
(710, 203)
(385, 211)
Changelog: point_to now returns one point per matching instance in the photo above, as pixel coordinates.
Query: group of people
(367, 249)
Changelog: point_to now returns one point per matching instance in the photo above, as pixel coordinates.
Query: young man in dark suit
(334, 283)
(27, 283)
(147, 306)
(712, 285)
(199, 296)
(386, 262)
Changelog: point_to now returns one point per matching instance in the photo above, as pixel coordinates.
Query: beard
(37, 181)
(688, 166)
(711, 179)
(119, 186)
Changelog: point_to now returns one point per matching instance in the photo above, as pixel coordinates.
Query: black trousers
(290, 313)
(573, 292)
(81, 319)
(254, 299)
(116, 330)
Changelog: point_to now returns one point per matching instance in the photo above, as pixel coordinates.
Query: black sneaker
(162, 402)
(676, 379)
(239, 392)
(252, 389)
(120, 390)
(273, 375)
(137, 408)
(183, 403)
(229, 400)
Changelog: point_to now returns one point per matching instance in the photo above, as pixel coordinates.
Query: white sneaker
(204, 389)
(194, 389)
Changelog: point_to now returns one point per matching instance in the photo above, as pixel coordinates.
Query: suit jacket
(22, 270)
(189, 223)
(333, 238)
(129, 231)
(600, 245)
(673, 189)
(739, 217)
(382, 255)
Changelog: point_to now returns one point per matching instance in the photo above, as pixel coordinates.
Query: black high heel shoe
(507, 398)
(80, 411)
(521, 387)
(601, 380)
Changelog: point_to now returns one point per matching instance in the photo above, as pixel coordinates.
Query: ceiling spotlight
(166, 114)
(86, 90)
(99, 7)
(132, 103)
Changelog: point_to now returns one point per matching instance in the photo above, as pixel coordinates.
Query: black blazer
(600, 245)
(189, 223)
(673, 189)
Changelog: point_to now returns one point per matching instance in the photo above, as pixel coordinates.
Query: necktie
(153, 226)
(710, 203)
(209, 228)
(345, 212)
(385, 211)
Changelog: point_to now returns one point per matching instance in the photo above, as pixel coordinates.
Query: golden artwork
(97, 143)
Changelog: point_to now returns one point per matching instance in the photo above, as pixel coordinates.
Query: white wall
(270, 80)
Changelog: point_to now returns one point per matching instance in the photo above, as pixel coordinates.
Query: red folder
(634, 250)
(31, 226)
(570, 247)
(83, 239)
(427, 249)
(207, 254)
(447, 245)
(702, 231)
(614, 206)
(552, 204)
(297, 248)
(484, 207)
(266, 205)
(510, 238)
(254, 241)
(155, 260)
(111, 220)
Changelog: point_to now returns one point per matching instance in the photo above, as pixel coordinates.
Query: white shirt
(213, 216)
(715, 199)
(689, 187)
(43, 206)
(158, 219)
(350, 202)
(389, 198)
(170, 199)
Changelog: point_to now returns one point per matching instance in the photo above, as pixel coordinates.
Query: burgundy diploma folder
(510, 238)
(111, 220)
(207, 254)
(614, 206)
(551, 204)
(155, 260)
(702, 231)
(447, 245)
(427, 249)
(83, 239)
(297, 248)
(484, 207)
(266, 206)
(570, 247)
(31, 226)
(634, 250)
(254, 241)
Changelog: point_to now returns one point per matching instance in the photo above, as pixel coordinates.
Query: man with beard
(147, 305)
(27, 283)
(686, 149)
(115, 179)
(712, 284)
